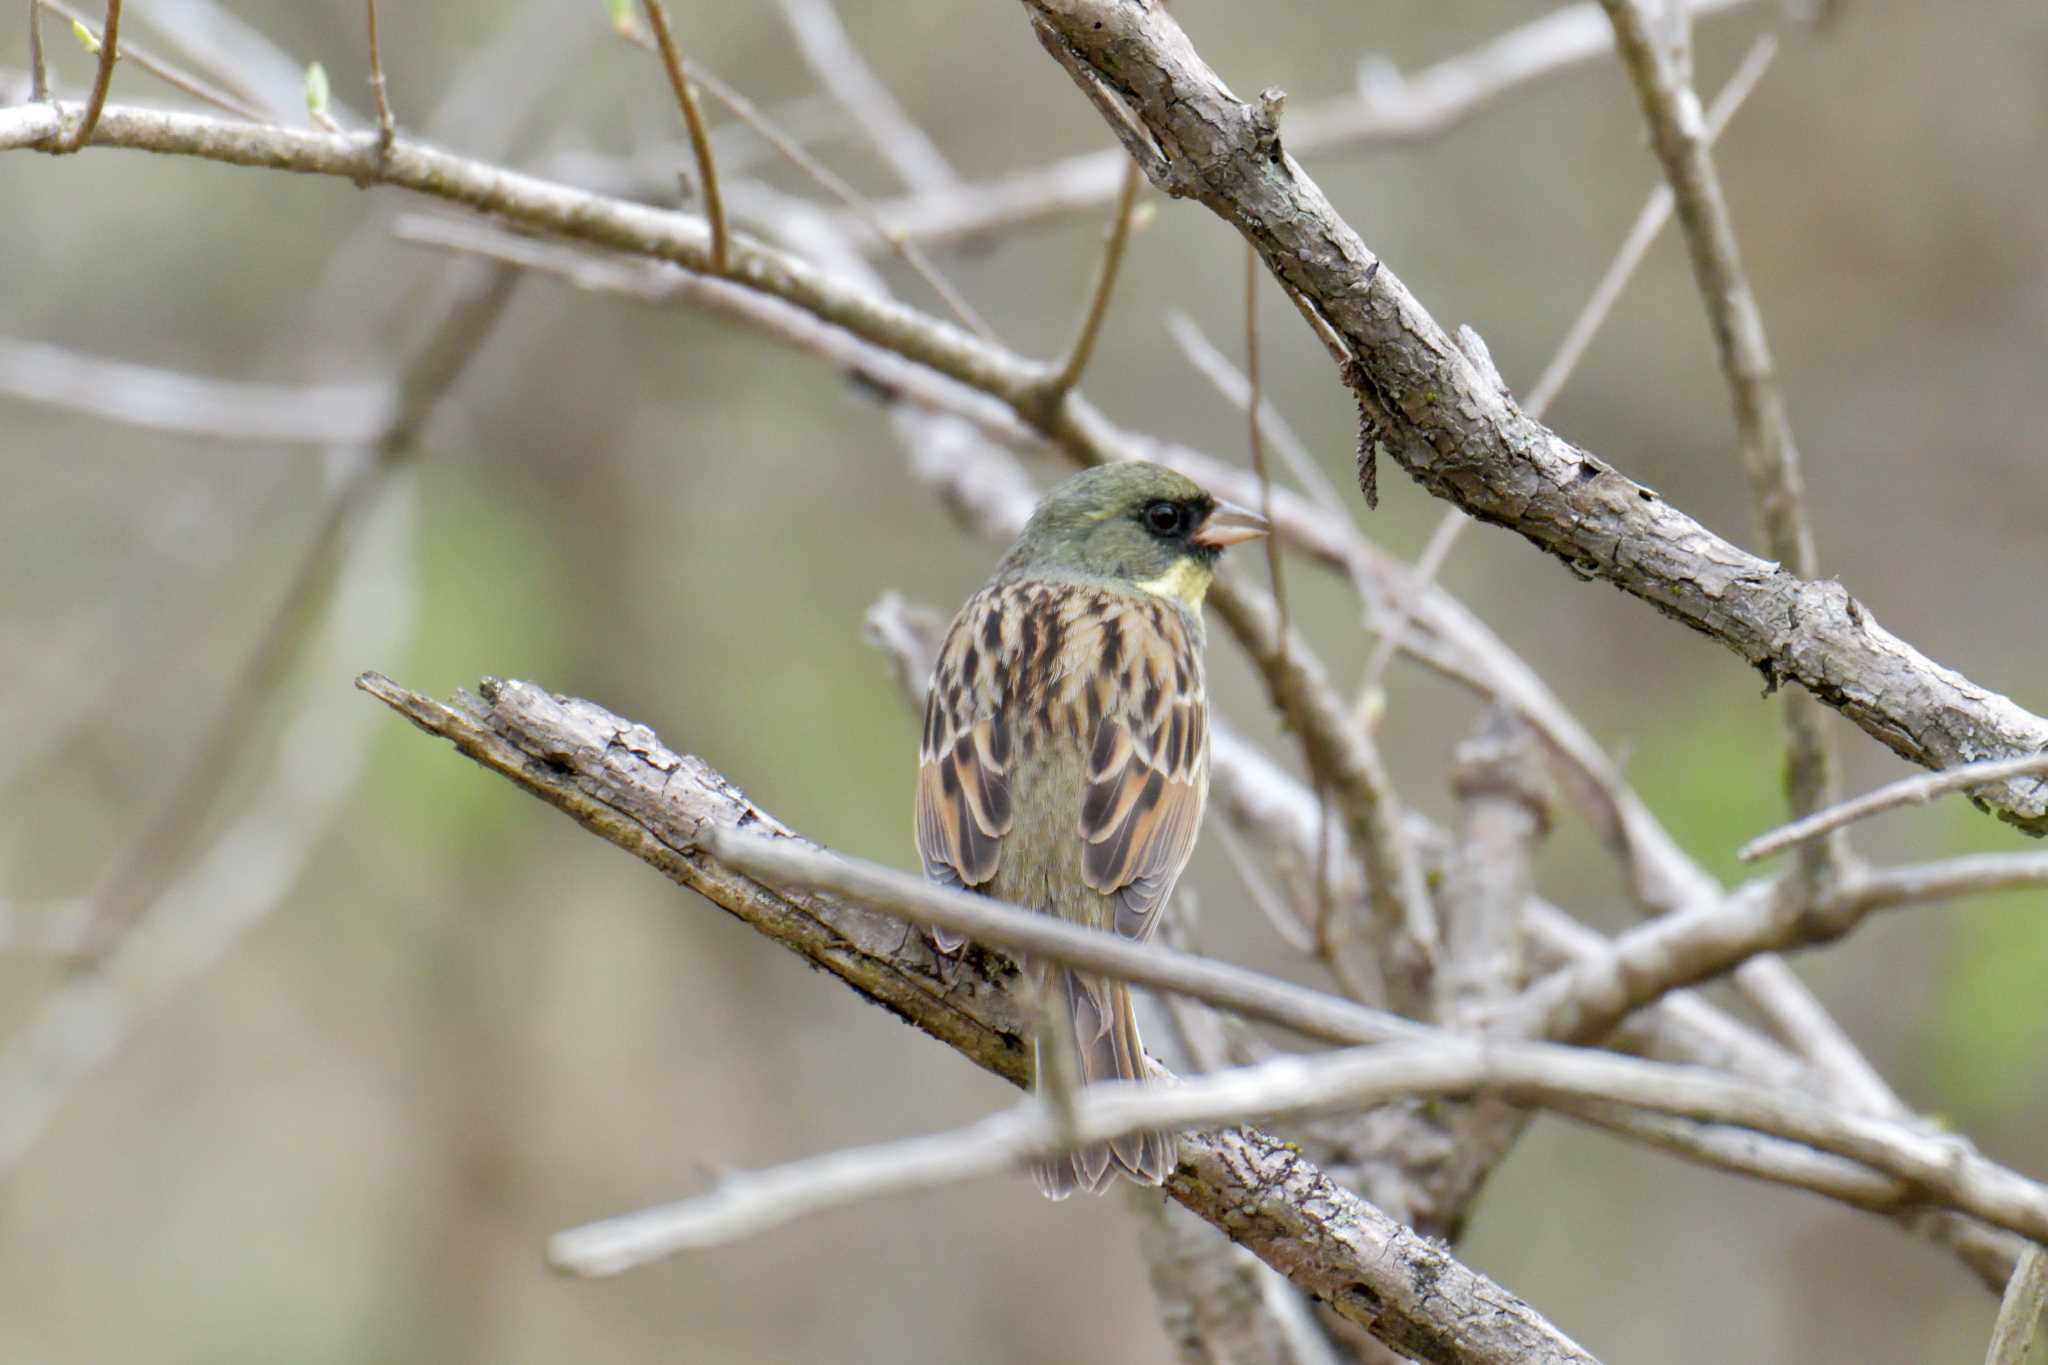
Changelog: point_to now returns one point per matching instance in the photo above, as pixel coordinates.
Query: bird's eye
(1165, 518)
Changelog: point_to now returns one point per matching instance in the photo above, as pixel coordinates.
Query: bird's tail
(1110, 1050)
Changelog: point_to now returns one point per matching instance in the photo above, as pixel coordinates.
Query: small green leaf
(85, 38)
(621, 12)
(317, 89)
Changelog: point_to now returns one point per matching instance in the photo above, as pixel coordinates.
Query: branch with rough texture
(1464, 440)
(617, 780)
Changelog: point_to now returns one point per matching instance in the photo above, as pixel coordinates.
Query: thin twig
(1649, 224)
(137, 875)
(1584, 1000)
(1043, 938)
(1343, 760)
(175, 77)
(167, 400)
(753, 116)
(1082, 348)
(1229, 381)
(102, 79)
(1352, 1079)
(1402, 109)
(38, 73)
(387, 125)
(693, 119)
(2019, 1312)
(1259, 886)
(830, 53)
(1660, 73)
(1907, 791)
(1255, 433)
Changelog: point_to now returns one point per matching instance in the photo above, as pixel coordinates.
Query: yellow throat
(1187, 582)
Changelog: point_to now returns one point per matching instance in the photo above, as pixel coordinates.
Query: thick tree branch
(617, 780)
(1464, 440)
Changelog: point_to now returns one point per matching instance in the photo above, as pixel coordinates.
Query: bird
(1065, 757)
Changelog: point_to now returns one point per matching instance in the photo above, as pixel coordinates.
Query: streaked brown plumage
(1065, 758)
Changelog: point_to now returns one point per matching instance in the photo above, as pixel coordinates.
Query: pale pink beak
(1229, 524)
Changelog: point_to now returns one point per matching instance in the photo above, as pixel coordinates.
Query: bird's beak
(1229, 524)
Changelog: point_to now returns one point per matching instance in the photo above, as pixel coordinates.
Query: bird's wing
(1118, 675)
(963, 780)
(1148, 761)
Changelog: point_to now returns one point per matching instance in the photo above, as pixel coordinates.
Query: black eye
(1165, 518)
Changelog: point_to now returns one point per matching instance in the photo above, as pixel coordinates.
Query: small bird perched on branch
(1066, 746)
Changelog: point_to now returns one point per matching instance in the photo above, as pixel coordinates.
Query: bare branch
(235, 55)
(109, 41)
(173, 76)
(219, 409)
(1634, 247)
(1649, 225)
(1503, 810)
(1763, 425)
(1215, 367)
(1386, 111)
(1359, 1078)
(1465, 441)
(1343, 760)
(137, 875)
(201, 913)
(786, 863)
(619, 781)
(39, 73)
(387, 125)
(1493, 461)
(792, 150)
(2019, 1314)
(1068, 374)
(1585, 1000)
(1907, 791)
(693, 120)
(1255, 435)
(829, 51)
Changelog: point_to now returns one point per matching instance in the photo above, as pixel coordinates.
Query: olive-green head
(1133, 524)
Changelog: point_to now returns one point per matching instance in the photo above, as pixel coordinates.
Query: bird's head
(1133, 524)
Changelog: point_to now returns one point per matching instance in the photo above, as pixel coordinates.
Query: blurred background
(444, 1023)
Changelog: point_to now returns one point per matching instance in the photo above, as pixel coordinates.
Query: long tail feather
(1110, 1049)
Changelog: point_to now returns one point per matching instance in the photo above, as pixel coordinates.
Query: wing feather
(964, 805)
(1148, 772)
